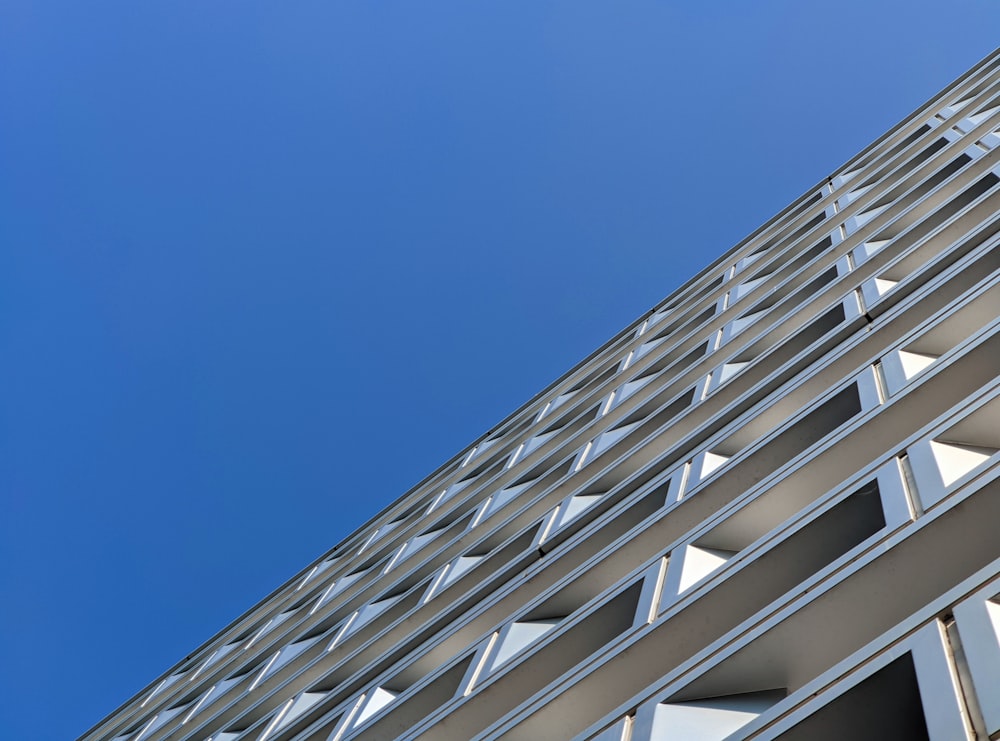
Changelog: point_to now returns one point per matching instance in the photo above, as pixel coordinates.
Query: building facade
(767, 509)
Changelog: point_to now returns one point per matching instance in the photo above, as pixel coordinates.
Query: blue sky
(264, 266)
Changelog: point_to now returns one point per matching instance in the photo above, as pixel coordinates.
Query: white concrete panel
(846, 177)
(738, 325)
(271, 625)
(536, 442)
(746, 287)
(371, 611)
(409, 548)
(868, 389)
(978, 621)
(866, 249)
(159, 721)
(950, 110)
(731, 369)
(454, 489)
(480, 450)
(302, 703)
(892, 491)
(288, 653)
(336, 588)
(900, 366)
(856, 222)
(853, 195)
(645, 348)
(606, 439)
(575, 506)
(223, 686)
(704, 464)
(938, 684)
(690, 564)
(711, 719)
(749, 260)
(519, 636)
(375, 701)
(875, 288)
(627, 389)
(913, 363)
(992, 140)
(967, 124)
(450, 573)
(618, 732)
(460, 566)
(955, 460)
(721, 374)
(503, 497)
(938, 464)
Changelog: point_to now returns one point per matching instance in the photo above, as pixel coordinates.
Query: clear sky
(264, 266)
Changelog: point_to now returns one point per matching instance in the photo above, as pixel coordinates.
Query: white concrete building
(767, 509)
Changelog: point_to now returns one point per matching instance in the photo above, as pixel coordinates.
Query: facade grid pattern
(766, 509)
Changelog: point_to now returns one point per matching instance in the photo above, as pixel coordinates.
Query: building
(767, 509)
